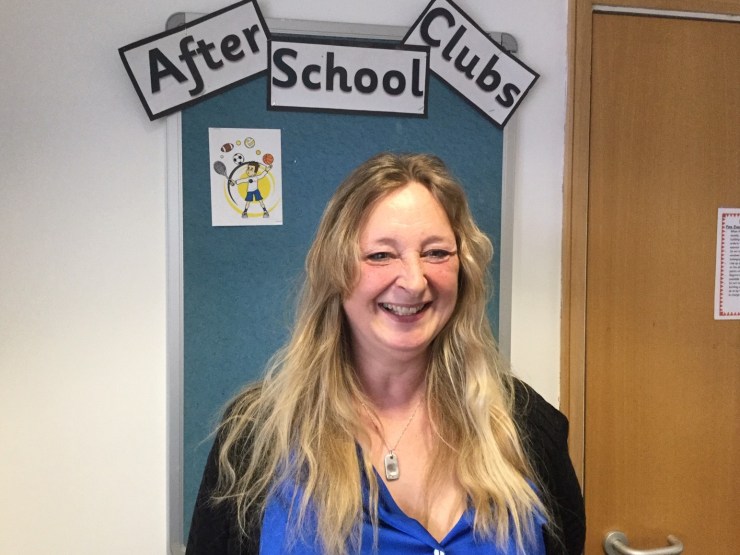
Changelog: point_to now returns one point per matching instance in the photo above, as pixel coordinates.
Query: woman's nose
(411, 274)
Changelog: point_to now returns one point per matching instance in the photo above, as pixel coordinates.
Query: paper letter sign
(335, 76)
(193, 62)
(470, 61)
(727, 281)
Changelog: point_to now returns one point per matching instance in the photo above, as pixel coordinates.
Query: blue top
(397, 532)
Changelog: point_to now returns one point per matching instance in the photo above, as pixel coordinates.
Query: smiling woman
(407, 286)
(392, 365)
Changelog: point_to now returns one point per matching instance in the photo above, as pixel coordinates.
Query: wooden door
(662, 377)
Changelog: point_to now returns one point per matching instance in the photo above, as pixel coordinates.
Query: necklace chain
(391, 459)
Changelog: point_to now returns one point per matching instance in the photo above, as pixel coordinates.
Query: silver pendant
(391, 466)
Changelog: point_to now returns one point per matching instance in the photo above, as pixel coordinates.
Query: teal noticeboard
(239, 283)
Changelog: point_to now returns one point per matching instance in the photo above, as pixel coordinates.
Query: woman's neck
(393, 387)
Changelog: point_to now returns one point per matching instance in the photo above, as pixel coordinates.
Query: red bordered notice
(727, 283)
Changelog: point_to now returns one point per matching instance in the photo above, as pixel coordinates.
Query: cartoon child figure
(253, 192)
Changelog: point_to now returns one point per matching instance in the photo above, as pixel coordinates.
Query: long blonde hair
(301, 419)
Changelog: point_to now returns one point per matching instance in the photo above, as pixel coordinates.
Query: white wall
(82, 243)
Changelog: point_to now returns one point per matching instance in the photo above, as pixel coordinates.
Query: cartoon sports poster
(246, 177)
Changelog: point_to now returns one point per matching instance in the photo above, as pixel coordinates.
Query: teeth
(402, 310)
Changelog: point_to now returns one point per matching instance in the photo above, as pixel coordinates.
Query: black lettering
(277, 59)
(416, 89)
(331, 71)
(204, 49)
(231, 48)
(489, 79)
(187, 57)
(370, 74)
(508, 95)
(460, 63)
(306, 76)
(400, 83)
(426, 22)
(157, 58)
(249, 34)
(447, 52)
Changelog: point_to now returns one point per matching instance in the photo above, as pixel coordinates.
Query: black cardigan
(544, 430)
(544, 433)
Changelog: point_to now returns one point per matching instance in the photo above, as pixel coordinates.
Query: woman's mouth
(403, 310)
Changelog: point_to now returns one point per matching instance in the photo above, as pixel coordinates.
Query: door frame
(575, 192)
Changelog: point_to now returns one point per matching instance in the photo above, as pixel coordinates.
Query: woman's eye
(437, 255)
(379, 257)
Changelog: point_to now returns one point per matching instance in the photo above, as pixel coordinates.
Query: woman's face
(408, 270)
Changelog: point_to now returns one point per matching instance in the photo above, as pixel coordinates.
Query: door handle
(615, 543)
